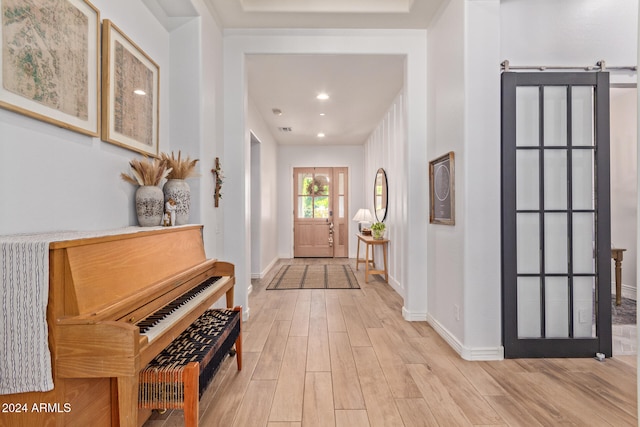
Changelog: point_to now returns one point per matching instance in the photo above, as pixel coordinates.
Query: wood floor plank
(286, 304)
(318, 408)
(221, 408)
(318, 355)
(579, 388)
(409, 350)
(355, 329)
(539, 382)
(318, 304)
(288, 398)
(378, 398)
(441, 404)
(254, 339)
(255, 407)
(335, 320)
(273, 352)
(416, 413)
(368, 315)
(515, 382)
(300, 322)
(352, 418)
(347, 393)
(395, 370)
(475, 408)
(512, 411)
(478, 377)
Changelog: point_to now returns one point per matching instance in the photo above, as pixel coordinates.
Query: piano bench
(177, 377)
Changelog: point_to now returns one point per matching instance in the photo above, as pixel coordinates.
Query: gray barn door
(556, 214)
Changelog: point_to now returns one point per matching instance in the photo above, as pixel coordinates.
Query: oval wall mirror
(380, 195)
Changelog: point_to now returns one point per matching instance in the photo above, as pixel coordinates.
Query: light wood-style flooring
(346, 358)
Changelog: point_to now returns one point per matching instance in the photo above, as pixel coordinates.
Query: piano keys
(103, 294)
(154, 325)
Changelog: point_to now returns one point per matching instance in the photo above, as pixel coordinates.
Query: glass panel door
(556, 231)
(316, 191)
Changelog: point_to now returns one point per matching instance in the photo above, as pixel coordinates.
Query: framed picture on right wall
(442, 190)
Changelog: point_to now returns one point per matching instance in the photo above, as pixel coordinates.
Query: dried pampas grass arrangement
(180, 168)
(147, 172)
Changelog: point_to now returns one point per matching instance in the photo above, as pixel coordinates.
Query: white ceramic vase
(149, 205)
(179, 191)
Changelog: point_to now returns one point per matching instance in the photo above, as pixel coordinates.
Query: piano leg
(128, 401)
(230, 297)
(191, 402)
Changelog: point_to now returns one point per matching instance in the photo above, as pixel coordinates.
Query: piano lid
(103, 271)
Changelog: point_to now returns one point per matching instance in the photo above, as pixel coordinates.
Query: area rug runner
(314, 276)
(624, 314)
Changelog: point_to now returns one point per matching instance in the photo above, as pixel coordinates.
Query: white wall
(264, 202)
(464, 105)
(482, 314)
(55, 179)
(386, 148)
(291, 156)
(207, 94)
(624, 184)
(570, 32)
(446, 133)
(67, 181)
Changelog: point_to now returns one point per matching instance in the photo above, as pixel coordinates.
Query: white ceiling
(361, 87)
(392, 14)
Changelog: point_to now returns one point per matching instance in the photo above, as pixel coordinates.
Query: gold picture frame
(442, 190)
(50, 62)
(130, 93)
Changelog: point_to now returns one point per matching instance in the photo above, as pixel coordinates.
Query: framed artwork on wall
(50, 62)
(130, 93)
(442, 190)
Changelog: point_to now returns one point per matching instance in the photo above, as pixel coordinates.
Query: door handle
(331, 235)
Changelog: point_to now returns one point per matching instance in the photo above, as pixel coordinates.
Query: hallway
(347, 358)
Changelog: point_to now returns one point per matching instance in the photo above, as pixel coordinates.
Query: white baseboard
(396, 287)
(628, 291)
(467, 353)
(265, 271)
(413, 317)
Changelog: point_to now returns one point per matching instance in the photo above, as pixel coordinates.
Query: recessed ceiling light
(139, 92)
(277, 111)
(320, 135)
(322, 114)
(322, 96)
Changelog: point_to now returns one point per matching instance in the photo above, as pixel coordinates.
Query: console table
(616, 254)
(369, 264)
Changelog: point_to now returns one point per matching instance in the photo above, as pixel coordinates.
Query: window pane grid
(556, 174)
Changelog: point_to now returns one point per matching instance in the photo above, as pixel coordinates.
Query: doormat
(314, 276)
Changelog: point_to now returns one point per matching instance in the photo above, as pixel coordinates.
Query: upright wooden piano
(100, 289)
